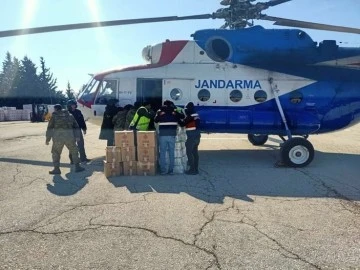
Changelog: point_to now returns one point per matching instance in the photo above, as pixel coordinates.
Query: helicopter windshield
(89, 93)
(107, 91)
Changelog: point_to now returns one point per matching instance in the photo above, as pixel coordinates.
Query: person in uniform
(192, 125)
(63, 130)
(72, 108)
(119, 119)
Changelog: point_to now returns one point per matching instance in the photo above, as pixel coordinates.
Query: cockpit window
(89, 93)
(107, 91)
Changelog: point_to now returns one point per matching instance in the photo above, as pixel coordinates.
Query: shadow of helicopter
(240, 174)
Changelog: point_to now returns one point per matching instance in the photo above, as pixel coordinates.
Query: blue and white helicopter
(242, 78)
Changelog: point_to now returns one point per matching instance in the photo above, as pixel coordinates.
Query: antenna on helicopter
(237, 14)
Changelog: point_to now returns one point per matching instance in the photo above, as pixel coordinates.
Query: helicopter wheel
(257, 139)
(297, 152)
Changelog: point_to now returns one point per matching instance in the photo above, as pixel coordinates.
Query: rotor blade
(36, 30)
(275, 2)
(310, 25)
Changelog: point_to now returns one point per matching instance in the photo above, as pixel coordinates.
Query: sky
(73, 55)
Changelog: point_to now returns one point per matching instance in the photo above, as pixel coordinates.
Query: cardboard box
(146, 139)
(128, 153)
(147, 154)
(124, 138)
(129, 167)
(146, 168)
(113, 154)
(112, 169)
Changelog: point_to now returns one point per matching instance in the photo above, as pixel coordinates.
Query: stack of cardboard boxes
(121, 159)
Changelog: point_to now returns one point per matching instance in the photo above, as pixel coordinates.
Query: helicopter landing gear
(257, 139)
(297, 152)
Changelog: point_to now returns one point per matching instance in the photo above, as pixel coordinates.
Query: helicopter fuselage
(241, 81)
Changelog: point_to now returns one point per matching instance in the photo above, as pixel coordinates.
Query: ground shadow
(242, 173)
(68, 184)
(73, 182)
(32, 162)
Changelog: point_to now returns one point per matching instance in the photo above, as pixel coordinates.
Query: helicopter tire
(257, 139)
(297, 152)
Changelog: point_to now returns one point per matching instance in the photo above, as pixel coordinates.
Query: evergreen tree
(70, 92)
(29, 86)
(9, 76)
(47, 82)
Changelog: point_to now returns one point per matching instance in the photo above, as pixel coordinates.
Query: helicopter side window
(176, 94)
(260, 96)
(235, 95)
(108, 89)
(204, 95)
(296, 97)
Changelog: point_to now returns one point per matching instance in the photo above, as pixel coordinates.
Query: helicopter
(242, 78)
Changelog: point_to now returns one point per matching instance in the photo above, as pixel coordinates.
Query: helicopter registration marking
(234, 84)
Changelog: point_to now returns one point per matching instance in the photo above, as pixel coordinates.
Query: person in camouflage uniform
(63, 130)
(119, 119)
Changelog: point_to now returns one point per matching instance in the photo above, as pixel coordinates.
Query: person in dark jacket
(168, 120)
(107, 126)
(72, 108)
(192, 125)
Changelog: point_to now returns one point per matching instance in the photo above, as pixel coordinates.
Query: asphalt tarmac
(240, 212)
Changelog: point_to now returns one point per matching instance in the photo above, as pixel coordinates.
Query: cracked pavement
(239, 213)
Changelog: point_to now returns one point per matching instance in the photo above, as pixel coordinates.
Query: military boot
(78, 168)
(56, 170)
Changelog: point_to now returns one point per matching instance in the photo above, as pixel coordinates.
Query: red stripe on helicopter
(170, 49)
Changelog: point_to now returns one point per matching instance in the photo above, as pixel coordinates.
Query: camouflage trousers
(57, 148)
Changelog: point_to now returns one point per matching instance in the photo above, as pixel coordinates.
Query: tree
(29, 82)
(47, 82)
(70, 92)
(9, 76)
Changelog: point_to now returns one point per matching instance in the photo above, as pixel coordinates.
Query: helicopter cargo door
(149, 90)
(177, 90)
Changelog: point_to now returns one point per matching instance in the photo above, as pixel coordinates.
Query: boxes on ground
(147, 154)
(128, 153)
(124, 138)
(112, 169)
(146, 168)
(146, 139)
(129, 167)
(113, 154)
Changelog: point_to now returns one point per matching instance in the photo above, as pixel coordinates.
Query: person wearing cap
(63, 130)
(107, 126)
(72, 108)
(192, 125)
(168, 119)
(142, 118)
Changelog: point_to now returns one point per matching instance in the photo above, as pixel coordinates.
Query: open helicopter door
(149, 90)
(177, 90)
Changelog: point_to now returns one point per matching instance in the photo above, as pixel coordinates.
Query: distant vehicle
(39, 112)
